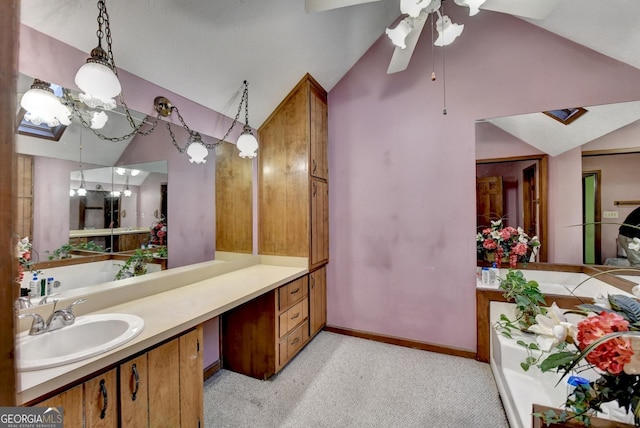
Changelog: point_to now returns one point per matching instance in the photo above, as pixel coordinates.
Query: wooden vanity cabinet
(161, 388)
(261, 336)
(317, 300)
(93, 403)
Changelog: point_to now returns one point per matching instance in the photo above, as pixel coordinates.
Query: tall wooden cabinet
(293, 177)
(293, 187)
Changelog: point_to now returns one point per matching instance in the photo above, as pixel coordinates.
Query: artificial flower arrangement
(604, 344)
(505, 243)
(24, 248)
(158, 232)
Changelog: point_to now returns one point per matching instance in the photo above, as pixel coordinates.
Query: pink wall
(402, 202)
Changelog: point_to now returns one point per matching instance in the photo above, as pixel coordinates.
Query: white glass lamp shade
(120, 171)
(247, 144)
(400, 33)
(473, 5)
(42, 106)
(115, 193)
(447, 31)
(127, 192)
(196, 150)
(72, 192)
(98, 82)
(82, 191)
(414, 7)
(98, 119)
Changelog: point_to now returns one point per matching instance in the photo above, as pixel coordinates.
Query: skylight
(566, 115)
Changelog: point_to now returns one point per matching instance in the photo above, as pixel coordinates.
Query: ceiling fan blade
(534, 9)
(322, 5)
(401, 57)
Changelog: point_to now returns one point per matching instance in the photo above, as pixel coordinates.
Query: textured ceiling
(203, 50)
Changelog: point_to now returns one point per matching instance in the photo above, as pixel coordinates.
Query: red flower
(611, 355)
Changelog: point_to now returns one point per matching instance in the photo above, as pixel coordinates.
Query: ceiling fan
(415, 13)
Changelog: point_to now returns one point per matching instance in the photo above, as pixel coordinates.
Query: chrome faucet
(58, 319)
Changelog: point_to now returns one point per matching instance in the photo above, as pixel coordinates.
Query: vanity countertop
(169, 313)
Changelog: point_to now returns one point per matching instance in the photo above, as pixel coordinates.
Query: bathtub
(81, 275)
(519, 390)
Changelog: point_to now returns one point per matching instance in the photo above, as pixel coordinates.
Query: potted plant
(527, 297)
(135, 265)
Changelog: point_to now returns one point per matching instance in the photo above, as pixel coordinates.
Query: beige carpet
(342, 381)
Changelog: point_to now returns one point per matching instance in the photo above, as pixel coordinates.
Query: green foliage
(135, 265)
(526, 295)
(64, 251)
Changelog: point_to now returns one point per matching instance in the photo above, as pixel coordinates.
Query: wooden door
(72, 406)
(164, 385)
(489, 200)
(530, 200)
(319, 222)
(191, 379)
(317, 300)
(101, 400)
(134, 393)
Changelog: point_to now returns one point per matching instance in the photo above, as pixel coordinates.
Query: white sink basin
(89, 336)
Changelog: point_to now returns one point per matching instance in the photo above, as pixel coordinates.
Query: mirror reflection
(120, 206)
(53, 167)
(592, 177)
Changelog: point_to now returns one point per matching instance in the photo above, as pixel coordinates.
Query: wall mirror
(54, 168)
(600, 180)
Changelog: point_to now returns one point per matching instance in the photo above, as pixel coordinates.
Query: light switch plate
(610, 214)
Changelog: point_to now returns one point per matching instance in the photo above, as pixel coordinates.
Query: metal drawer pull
(105, 401)
(296, 340)
(136, 377)
(295, 316)
(295, 291)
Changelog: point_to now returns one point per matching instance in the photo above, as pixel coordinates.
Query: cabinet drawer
(293, 292)
(293, 342)
(292, 317)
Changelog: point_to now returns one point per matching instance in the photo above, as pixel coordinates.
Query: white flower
(552, 328)
(22, 246)
(635, 245)
(496, 223)
(495, 235)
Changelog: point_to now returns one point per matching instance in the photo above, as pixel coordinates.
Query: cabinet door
(164, 385)
(134, 393)
(318, 300)
(191, 379)
(71, 403)
(101, 400)
(319, 222)
(318, 134)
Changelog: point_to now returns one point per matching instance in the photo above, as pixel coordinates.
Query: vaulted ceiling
(203, 50)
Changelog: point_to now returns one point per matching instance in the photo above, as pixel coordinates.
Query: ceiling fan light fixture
(413, 8)
(473, 5)
(447, 31)
(400, 33)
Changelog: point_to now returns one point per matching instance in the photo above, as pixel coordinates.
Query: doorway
(591, 229)
(532, 195)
